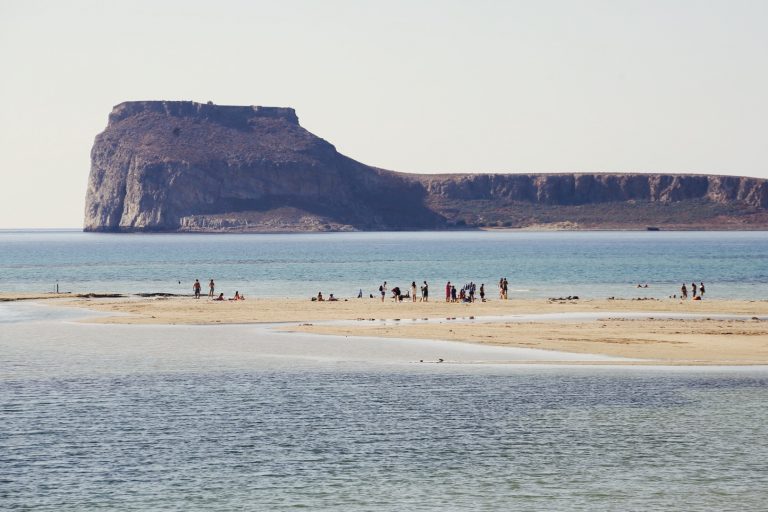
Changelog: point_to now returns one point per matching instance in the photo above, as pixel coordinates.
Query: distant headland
(182, 166)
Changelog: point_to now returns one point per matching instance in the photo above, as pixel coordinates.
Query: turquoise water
(588, 264)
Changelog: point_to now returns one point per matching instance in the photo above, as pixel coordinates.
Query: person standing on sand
(693, 290)
(448, 292)
(383, 290)
(684, 292)
(211, 288)
(505, 286)
(425, 292)
(701, 290)
(413, 291)
(196, 288)
(453, 294)
(501, 287)
(482, 292)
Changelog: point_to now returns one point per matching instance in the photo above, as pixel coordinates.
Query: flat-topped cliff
(186, 166)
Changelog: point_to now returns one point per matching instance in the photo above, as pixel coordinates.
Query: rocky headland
(183, 166)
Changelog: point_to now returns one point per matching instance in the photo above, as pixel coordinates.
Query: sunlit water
(587, 264)
(99, 417)
(96, 417)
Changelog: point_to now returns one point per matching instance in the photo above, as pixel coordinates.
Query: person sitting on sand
(236, 297)
(331, 298)
(320, 296)
(220, 297)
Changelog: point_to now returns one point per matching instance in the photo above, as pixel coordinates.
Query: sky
(678, 86)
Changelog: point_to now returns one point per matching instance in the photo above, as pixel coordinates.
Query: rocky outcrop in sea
(186, 166)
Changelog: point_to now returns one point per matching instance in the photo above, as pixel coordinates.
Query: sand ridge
(707, 338)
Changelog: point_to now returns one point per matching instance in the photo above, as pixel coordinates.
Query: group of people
(399, 295)
(197, 289)
(466, 293)
(697, 292)
(503, 288)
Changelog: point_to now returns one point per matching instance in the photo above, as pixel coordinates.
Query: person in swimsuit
(211, 288)
(684, 291)
(196, 288)
(425, 292)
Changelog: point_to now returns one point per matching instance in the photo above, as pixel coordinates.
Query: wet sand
(699, 332)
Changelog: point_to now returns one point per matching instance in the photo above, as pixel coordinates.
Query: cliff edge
(186, 166)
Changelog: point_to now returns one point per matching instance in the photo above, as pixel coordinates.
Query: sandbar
(708, 332)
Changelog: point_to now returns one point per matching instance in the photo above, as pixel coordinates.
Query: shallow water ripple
(391, 439)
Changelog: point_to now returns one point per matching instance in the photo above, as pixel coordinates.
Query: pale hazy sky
(420, 86)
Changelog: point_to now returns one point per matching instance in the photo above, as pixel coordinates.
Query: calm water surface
(387, 439)
(237, 418)
(589, 264)
(230, 418)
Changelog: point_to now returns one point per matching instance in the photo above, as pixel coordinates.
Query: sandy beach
(659, 331)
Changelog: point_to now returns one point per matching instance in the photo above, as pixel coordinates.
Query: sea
(733, 265)
(244, 417)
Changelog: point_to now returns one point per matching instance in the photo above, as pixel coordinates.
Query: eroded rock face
(186, 166)
(169, 166)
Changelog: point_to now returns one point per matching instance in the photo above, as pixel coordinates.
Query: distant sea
(536, 264)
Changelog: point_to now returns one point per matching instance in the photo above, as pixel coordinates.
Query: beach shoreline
(663, 332)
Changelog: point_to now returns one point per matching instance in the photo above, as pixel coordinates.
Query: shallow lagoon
(228, 417)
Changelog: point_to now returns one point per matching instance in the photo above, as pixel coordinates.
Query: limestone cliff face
(168, 166)
(581, 189)
(186, 166)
